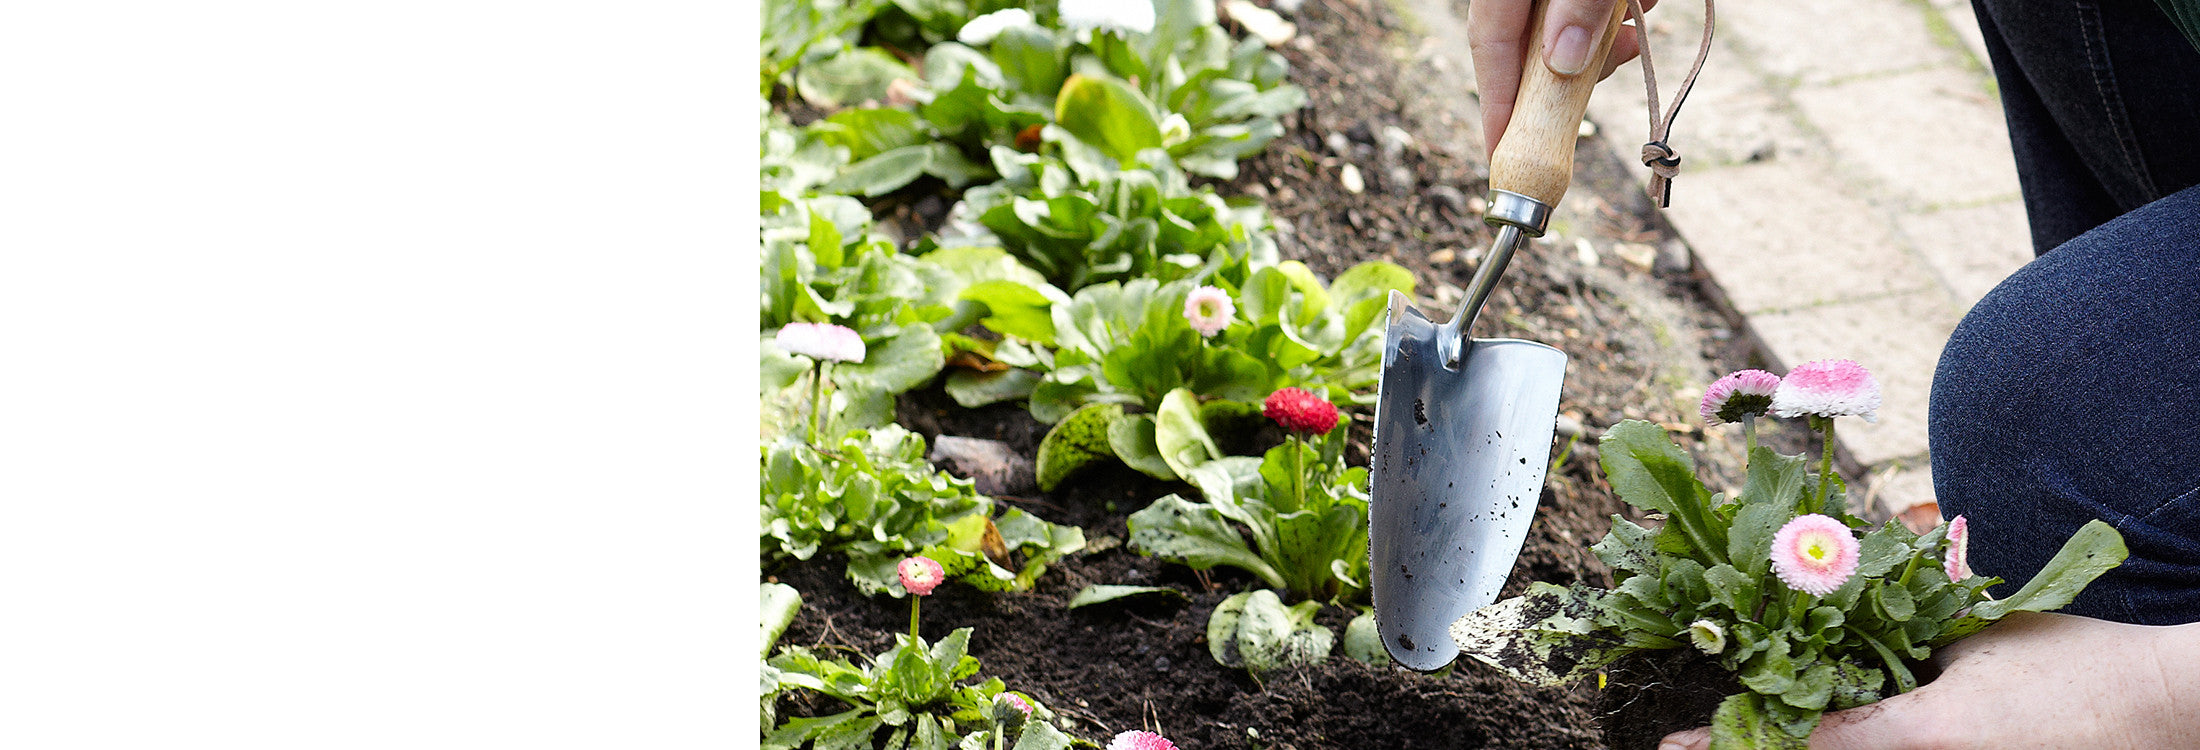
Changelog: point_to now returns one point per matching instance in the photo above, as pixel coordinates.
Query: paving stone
(1963, 20)
(1776, 237)
(1819, 42)
(1928, 138)
(1898, 338)
(1971, 249)
(1732, 115)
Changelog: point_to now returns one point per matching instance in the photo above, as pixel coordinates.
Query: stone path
(1846, 183)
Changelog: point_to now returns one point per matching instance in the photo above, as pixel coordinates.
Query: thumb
(1571, 31)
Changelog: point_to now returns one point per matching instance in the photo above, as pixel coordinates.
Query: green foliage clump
(872, 497)
(917, 694)
(1705, 579)
(1307, 536)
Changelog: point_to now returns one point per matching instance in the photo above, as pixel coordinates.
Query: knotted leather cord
(1663, 161)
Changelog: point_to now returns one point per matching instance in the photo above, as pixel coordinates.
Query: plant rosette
(917, 694)
(1810, 608)
(872, 497)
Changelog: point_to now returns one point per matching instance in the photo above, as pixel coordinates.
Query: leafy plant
(915, 692)
(822, 264)
(1253, 630)
(1712, 577)
(1080, 221)
(872, 497)
(1305, 533)
(1134, 343)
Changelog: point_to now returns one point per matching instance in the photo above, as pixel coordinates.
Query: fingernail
(1568, 56)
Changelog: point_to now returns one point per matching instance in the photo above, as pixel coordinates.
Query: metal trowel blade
(1461, 448)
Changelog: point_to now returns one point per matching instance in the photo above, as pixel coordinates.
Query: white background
(377, 375)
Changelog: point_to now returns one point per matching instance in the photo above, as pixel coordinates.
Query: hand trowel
(1463, 426)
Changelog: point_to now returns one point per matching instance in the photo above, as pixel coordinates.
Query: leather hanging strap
(1663, 161)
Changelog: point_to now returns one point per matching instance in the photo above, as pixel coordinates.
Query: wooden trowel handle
(1536, 156)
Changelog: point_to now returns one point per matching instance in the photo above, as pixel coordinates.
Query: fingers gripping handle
(1535, 158)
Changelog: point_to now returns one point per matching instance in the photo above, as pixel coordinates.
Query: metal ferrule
(1508, 208)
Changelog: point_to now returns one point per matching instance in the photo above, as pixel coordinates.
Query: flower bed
(966, 351)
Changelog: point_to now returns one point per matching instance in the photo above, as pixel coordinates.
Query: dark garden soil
(1643, 338)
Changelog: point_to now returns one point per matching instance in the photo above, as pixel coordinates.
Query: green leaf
(1740, 723)
(1893, 601)
(1196, 535)
(1546, 637)
(1749, 540)
(1040, 735)
(850, 77)
(884, 173)
(907, 360)
(1255, 631)
(1102, 593)
(870, 132)
(1648, 471)
(1109, 114)
(780, 603)
(1363, 642)
(1627, 547)
(1017, 309)
(1031, 58)
(1132, 437)
(1179, 434)
(973, 389)
(2093, 550)
(1812, 689)
(1076, 442)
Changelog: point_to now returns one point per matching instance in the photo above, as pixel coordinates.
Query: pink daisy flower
(1300, 411)
(1814, 554)
(821, 341)
(1017, 702)
(1958, 561)
(1742, 393)
(921, 574)
(1140, 740)
(1209, 309)
(1828, 388)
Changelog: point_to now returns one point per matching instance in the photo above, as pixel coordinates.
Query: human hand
(2033, 680)
(1497, 32)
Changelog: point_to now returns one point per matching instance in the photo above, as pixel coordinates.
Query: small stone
(1337, 142)
(993, 466)
(1449, 295)
(1398, 179)
(1350, 177)
(1392, 142)
(1642, 257)
(1442, 257)
(1588, 129)
(1586, 252)
(1290, 6)
(1477, 205)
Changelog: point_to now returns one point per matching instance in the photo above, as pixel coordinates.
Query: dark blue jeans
(2072, 391)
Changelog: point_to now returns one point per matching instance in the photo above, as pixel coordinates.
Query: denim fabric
(2072, 391)
(2103, 103)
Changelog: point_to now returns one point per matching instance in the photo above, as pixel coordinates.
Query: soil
(1658, 693)
(1643, 339)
